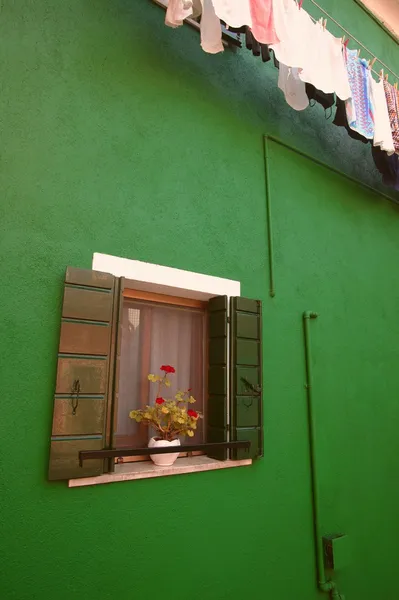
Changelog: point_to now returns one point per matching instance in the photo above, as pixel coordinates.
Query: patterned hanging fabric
(359, 108)
(392, 97)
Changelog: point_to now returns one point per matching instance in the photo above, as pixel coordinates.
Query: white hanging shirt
(292, 87)
(235, 13)
(382, 125)
(325, 67)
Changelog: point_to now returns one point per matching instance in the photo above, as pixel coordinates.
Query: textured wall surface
(121, 136)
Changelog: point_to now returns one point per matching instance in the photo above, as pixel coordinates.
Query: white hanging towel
(292, 87)
(211, 29)
(295, 30)
(382, 131)
(325, 67)
(235, 13)
(339, 73)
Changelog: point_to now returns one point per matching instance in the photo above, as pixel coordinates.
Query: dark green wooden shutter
(246, 375)
(216, 417)
(85, 360)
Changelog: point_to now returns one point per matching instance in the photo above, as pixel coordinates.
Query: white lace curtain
(155, 335)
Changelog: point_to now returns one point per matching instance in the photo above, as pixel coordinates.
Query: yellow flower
(190, 432)
(167, 383)
(147, 415)
(165, 410)
(191, 399)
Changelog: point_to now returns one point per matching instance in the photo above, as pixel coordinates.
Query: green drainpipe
(327, 586)
(272, 291)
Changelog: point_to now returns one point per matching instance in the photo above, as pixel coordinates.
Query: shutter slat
(79, 422)
(90, 414)
(89, 278)
(246, 375)
(92, 375)
(92, 305)
(65, 459)
(216, 417)
(82, 338)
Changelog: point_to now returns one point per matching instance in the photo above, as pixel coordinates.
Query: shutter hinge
(228, 319)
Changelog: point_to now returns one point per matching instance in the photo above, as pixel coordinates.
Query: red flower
(192, 413)
(168, 369)
(159, 400)
(189, 389)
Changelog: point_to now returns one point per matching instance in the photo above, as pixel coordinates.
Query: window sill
(147, 470)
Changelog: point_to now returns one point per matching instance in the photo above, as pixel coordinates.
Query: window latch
(250, 386)
(75, 391)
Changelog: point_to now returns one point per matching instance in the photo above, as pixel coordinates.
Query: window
(159, 329)
(115, 330)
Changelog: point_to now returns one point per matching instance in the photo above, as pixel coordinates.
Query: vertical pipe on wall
(269, 218)
(323, 584)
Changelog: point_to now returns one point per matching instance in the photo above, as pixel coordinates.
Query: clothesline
(355, 40)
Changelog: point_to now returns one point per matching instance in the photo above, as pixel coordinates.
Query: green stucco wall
(121, 136)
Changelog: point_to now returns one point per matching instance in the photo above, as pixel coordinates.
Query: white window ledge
(146, 470)
(148, 277)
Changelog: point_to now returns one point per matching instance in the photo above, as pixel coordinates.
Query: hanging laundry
(292, 87)
(211, 29)
(392, 99)
(178, 10)
(325, 68)
(337, 67)
(341, 120)
(359, 108)
(326, 100)
(263, 26)
(256, 48)
(210, 26)
(388, 166)
(382, 125)
(294, 28)
(251, 43)
(234, 13)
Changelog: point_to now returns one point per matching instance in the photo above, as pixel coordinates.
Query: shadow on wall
(248, 87)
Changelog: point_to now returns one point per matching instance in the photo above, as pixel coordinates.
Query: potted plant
(170, 418)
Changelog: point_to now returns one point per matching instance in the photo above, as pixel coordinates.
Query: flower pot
(163, 460)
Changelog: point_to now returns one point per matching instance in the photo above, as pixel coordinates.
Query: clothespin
(324, 24)
(386, 77)
(300, 4)
(382, 74)
(358, 53)
(395, 85)
(346, 43)
(371, 65)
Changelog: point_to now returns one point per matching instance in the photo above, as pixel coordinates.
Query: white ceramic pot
(163, 460)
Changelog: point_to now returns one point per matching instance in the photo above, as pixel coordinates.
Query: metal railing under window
(90, 454)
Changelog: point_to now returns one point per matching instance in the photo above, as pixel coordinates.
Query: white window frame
(150, 277)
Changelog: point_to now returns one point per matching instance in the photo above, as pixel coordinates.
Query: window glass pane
(155, 335)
